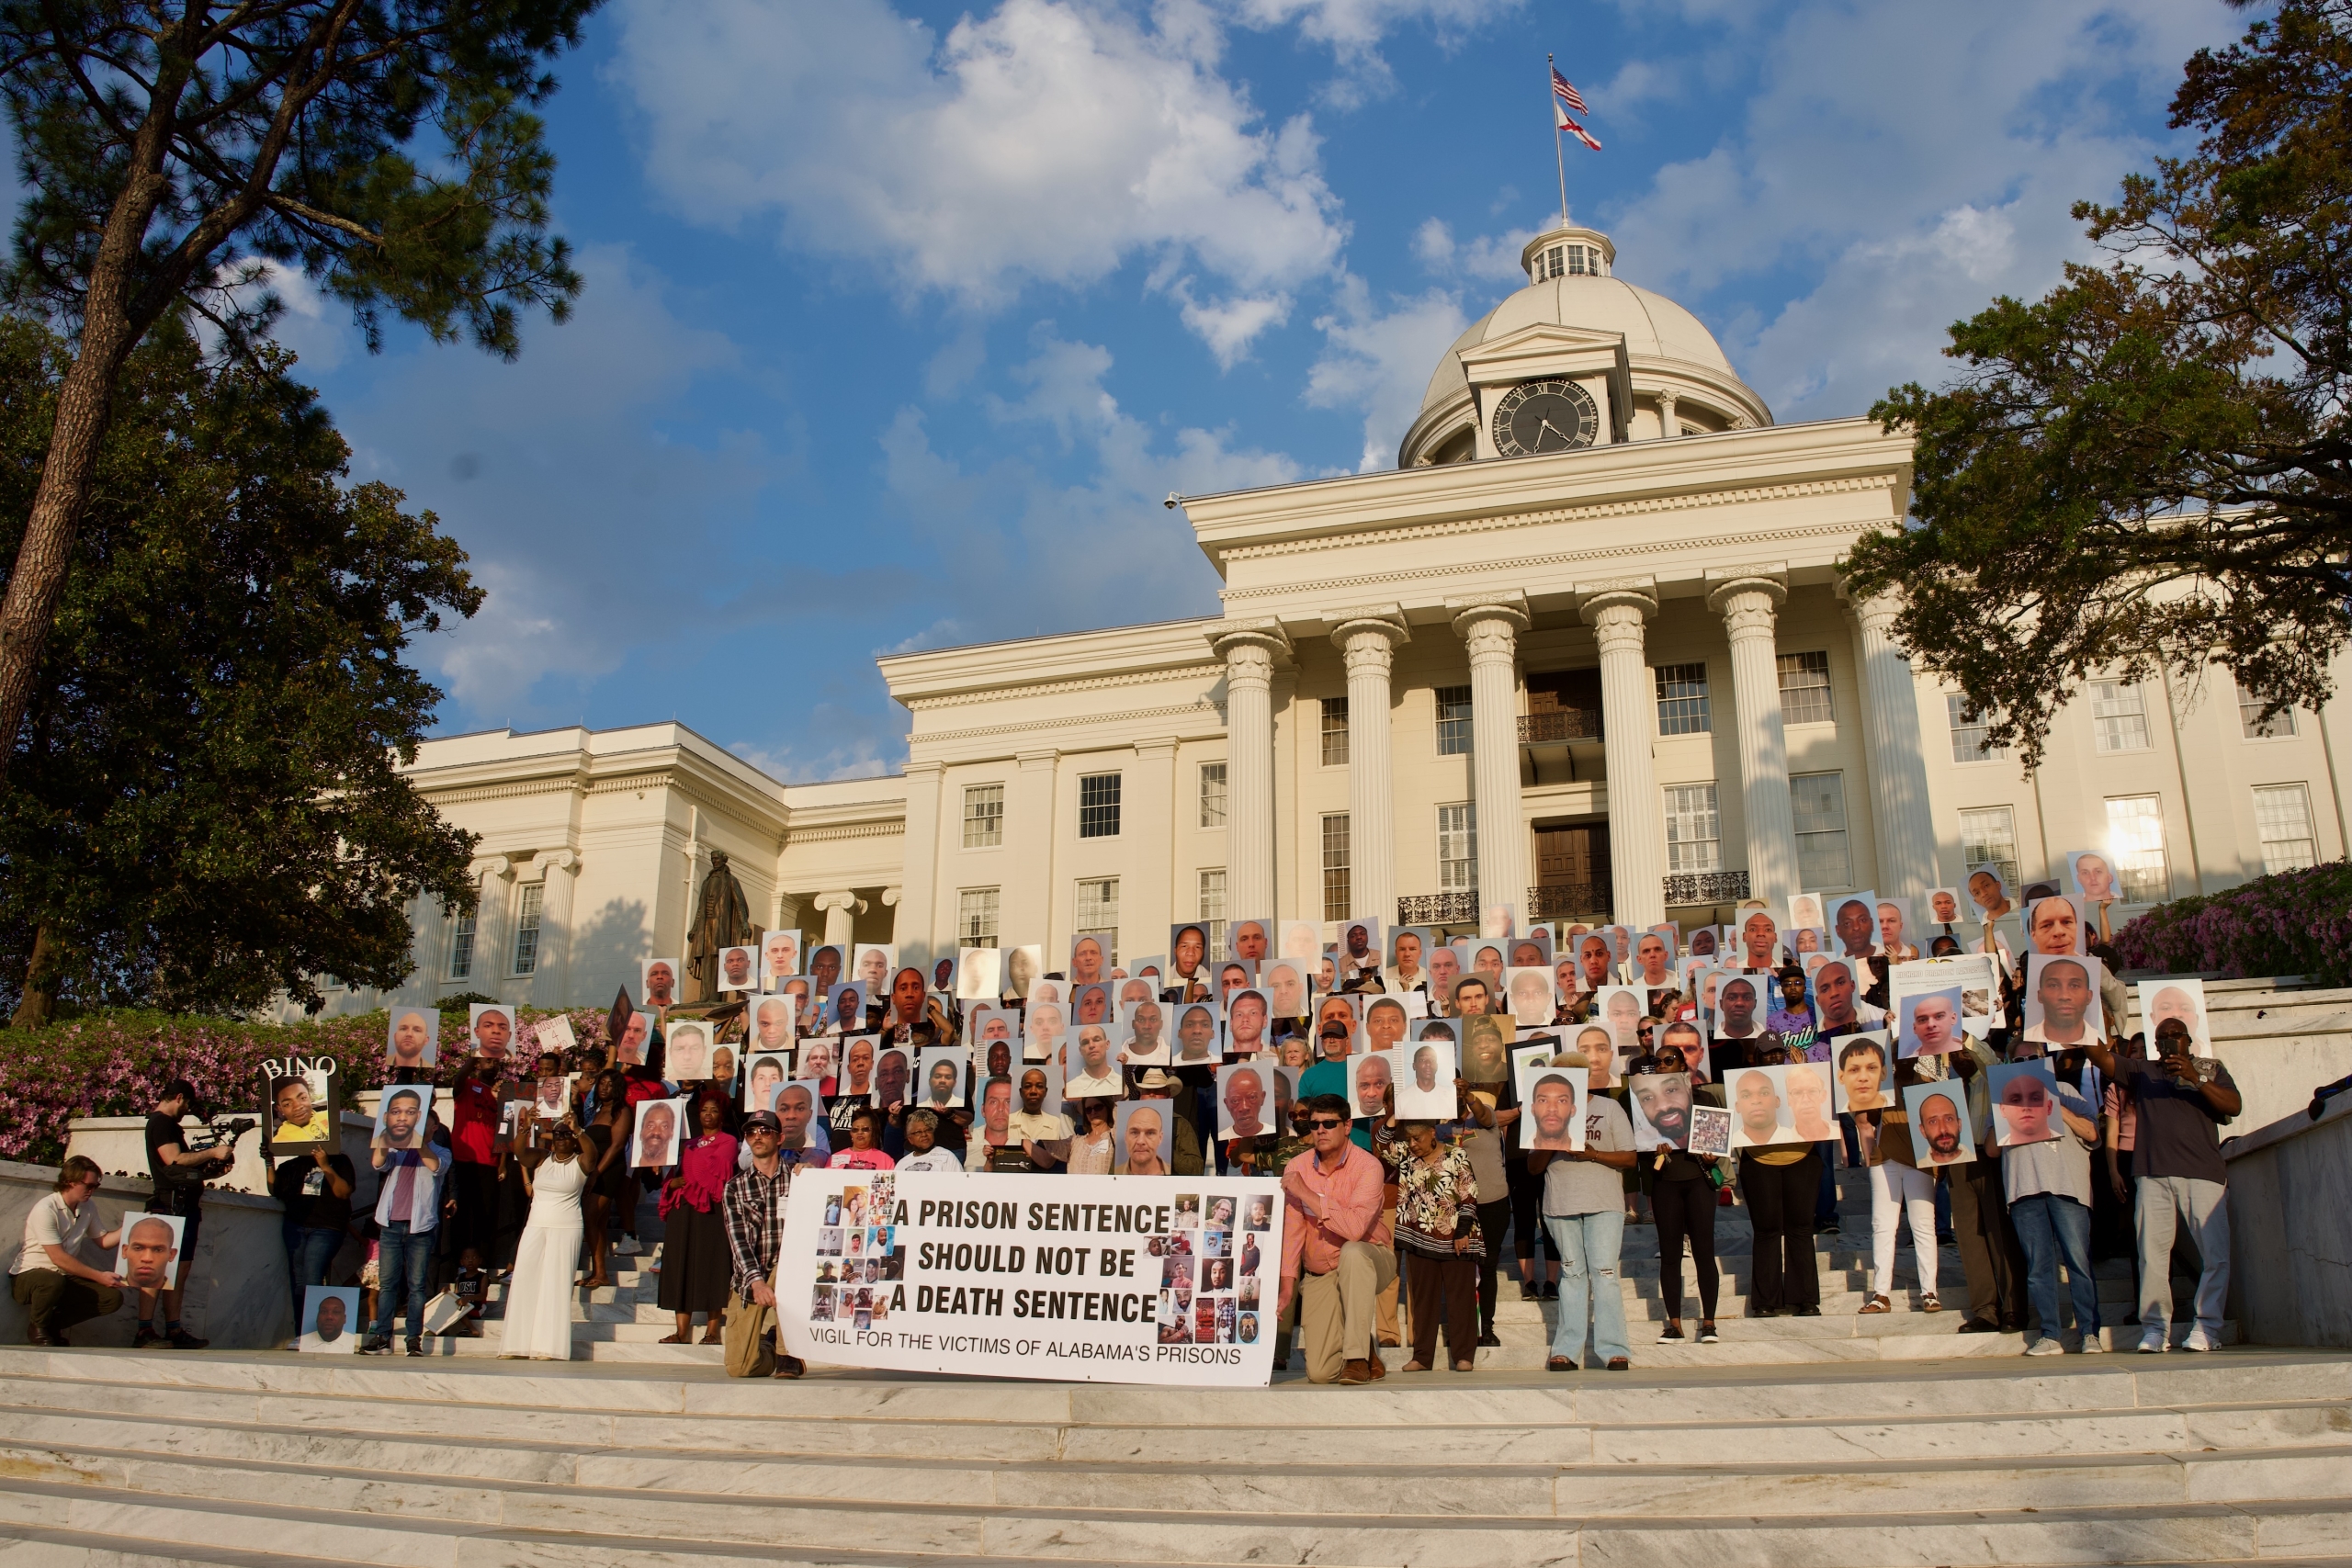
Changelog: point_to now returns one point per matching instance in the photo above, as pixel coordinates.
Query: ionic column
(1618, 612)
(1905, 822)
(1249, 649)
(1369, 640)
(1750, 602)
(916, 929)
(841, 910)
(1489, 626)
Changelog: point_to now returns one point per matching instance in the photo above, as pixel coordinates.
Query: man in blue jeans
(2043, 1139)
(408, 1208)
(1584, 1207)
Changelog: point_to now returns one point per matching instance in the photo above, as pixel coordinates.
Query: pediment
(1544, 348)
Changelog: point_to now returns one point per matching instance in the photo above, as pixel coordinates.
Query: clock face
(1544, 416)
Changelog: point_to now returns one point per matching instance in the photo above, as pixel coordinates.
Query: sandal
(1559, 1364)
(1414, 1367)
(1930, 1303)
(674, 1340)
(714, 1333)
(1877, 1303)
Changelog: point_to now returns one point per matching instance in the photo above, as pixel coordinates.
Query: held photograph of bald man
(1931, 1024)
(2025, 1103)
(1761, 1115)
(2175, 996)
(1940, 1131)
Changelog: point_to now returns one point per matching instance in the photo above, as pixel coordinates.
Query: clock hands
(1546, 424)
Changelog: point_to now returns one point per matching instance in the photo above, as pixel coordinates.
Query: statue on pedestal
(722, 918)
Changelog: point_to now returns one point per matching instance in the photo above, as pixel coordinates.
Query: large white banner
(1095, 1279)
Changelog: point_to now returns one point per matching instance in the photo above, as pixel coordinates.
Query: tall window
(983, 815)
(2256, 727)
(2282, 816)
(1819, 800)
(1988, 836)
(1335, 731)
(1098, 913)
(1694, 828)
(461, 949)
(975, 917)
(1212, 908)
(1098, 805)
(1457, 848)
(1682, 700)
(2135, 840)
(2119, 716)
(1336, 891)
(1454, 721)
(1804, 690)
(1212, 795)
(1968, 742)
(526, 927)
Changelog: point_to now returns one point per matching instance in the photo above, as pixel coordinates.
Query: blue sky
(901, 319)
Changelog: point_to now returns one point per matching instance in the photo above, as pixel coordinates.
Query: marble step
(2034, 1463)
(538, 1526)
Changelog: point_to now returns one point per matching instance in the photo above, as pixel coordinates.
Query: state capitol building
(1585, 649)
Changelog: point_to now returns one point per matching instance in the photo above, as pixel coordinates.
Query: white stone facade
(1498, 628)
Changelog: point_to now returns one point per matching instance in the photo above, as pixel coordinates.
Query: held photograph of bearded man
(1940, 1131)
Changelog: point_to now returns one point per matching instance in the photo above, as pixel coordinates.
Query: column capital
(890, 897)
(1876, 613)
(1470, 610)
(1264, 634)
(932, 767)
(843, 900)
(1370, 638)
(1725, 584)
(1030, 761)
(560, 860)
(499, 866)
(1159, 748)
(1636, 593)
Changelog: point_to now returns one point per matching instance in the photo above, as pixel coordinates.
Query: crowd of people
(1396, 1226)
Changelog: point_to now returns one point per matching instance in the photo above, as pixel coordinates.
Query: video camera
(222, 1132)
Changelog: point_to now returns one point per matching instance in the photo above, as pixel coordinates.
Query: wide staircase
(622, 1321)
(110, 1459)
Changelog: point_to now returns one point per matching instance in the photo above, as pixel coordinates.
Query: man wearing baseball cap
(753, 1202)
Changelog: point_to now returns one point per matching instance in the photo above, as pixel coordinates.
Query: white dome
(1655, 327)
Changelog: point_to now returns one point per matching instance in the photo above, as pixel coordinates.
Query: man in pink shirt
(1337, 1250)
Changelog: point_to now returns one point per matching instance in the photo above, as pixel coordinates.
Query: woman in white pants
(1896, 1184)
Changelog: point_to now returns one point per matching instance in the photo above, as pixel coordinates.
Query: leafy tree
(204, 806)
(2146, 469)
(385, 147)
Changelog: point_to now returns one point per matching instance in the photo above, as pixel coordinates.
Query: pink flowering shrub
(114, 1064)
(2296, 922)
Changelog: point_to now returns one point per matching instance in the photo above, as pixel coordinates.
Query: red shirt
(473, 1123)
(1350, 1198)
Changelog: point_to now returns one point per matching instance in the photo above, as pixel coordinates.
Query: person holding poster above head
(2180, 1000)
(659, 983)
(1338, 1251)
(2093, 876)
(1854, 922)
(1894, 931)
(1931, 1024)
(2054, 926)
(1760, 941)
(409, 1041)
(1022, 967)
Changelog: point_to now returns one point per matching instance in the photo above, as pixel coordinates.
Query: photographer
(2180, 1102)
(180, 1173)
(50, 1280)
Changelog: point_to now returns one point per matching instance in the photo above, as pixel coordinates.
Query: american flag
(1562, 90)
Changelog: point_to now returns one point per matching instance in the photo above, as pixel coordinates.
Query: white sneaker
(2152, 1345)
(2198, 1340)
(2045, 1345)
(2093, 1345)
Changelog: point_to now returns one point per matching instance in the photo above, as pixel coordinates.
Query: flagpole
(1559, 157)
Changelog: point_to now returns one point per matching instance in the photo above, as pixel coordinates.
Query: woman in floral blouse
(1439, 1241)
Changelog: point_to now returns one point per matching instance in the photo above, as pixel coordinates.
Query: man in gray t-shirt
(2048, 1182)
(1584, 1211)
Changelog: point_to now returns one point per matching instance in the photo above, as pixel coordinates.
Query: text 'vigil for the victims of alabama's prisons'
(1102, 1279)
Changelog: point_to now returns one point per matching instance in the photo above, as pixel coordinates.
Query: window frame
(1222, 795)
(2137, 712)
(465, 934)
(1800, 663)
(1956, 719)
(1103, 931)
(2132, 879)
(1843, 832)
(2302, 790)
(2012, 867)
(1455, 734)
(1692, 712)
(1709, 815)
(1339, 876)
(1102, 810)
(989, 824)
(1217, 918)
(967, 931)
(530, 915)
(1465, 878)
(1332, 737)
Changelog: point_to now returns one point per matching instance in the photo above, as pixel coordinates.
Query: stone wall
(2291, 1230)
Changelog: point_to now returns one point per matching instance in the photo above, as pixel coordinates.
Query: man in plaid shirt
(754, 1202)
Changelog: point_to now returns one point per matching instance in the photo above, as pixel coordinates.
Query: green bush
(2294, 922)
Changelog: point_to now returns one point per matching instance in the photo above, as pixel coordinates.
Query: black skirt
(696, 1266)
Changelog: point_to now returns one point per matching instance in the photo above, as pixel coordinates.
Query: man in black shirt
(180, 1173)
(316, 1190)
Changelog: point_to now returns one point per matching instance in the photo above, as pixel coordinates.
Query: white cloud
(1230, 326)
(1379, 361)
(1907, 198)
(1043, 141)
(1490, 257)
(1017, 552)
(1354, 30)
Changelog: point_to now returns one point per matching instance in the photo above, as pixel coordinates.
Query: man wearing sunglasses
(1337, 1250)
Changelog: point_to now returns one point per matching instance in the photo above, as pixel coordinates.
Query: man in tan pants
(1337, 1250)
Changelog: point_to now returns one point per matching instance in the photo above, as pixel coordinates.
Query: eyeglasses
(1325, 1123)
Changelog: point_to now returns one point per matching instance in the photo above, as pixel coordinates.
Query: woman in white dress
(538, 1293)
